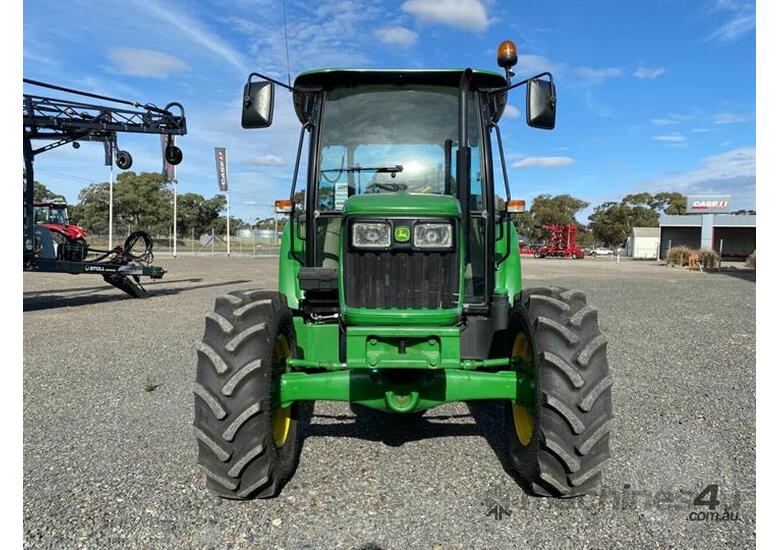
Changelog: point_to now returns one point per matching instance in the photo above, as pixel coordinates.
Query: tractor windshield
(58, 216)
(41, 214)
(387, 139)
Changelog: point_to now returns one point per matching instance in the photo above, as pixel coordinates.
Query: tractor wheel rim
(523, 417)
(280, 418)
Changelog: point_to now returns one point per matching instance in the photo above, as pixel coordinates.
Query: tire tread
(570, 446)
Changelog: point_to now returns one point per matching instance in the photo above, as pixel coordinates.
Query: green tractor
(400, 286)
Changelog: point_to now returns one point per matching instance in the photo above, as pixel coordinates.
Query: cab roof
(320, 79)
(310, 82)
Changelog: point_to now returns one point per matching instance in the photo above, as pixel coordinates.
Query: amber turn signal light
(283, 206)
(515, 206)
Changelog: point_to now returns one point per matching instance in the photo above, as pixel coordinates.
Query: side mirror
(258, 106)
(540, 104)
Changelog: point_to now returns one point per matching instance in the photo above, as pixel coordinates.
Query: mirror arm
(269, 79)
(503, 160)
(518, 84)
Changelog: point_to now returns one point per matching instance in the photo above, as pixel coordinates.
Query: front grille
(402, 279)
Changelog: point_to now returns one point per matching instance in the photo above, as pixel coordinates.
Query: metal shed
(644, 242)
(735, 234)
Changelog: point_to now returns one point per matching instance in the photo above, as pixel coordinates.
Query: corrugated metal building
(735, 234)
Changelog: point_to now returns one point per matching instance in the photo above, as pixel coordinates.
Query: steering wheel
(392, 187)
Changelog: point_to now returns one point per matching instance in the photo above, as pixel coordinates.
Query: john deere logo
(402, 234)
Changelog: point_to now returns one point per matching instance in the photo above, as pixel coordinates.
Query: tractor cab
(51, 212)
(398, 215)
(53, 215)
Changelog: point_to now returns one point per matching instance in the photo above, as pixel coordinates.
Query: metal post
(111, 205)
(29, 197)
(227, 199)
(212, 240)
(175, 228)
(193, 239)
(720, 253)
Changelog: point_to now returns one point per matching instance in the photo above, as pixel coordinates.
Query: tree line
(610, 223)
(145, 201)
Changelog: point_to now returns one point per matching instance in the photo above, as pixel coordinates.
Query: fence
(192, 245)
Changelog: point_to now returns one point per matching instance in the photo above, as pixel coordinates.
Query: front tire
(559, 444)
(248, 446)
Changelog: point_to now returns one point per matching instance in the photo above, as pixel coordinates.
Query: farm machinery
(400, 286)
(68, 238)
(561, 242)
(52, 244)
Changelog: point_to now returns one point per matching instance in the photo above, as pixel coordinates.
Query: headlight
(433, 235)
(371, 235)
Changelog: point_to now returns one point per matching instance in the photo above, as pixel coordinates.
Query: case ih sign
(708, 204)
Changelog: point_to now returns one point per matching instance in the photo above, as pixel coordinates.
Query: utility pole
(276, 228)
(227, 198)
(175, 228)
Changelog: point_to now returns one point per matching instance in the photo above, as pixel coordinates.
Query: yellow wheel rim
(523, 418)
(280, 418)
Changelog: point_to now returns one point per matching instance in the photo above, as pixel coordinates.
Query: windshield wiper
(393, 169)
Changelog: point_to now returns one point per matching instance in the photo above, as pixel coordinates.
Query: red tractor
(561, 242)
(69, 239)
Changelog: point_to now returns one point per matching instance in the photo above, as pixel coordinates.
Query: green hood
(402, 204)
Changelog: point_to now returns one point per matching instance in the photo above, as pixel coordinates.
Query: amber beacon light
(507, 55)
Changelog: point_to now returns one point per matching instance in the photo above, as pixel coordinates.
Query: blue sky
(652, 95)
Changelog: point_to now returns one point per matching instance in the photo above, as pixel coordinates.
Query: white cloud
(742, 20)
(732, 173)
(143, 62)
(597, 76)
(543, 162)
(510, 111)
(649, 73)
(676, 137)
(663, 121)
(470, 15)
(735, 28)
(532, 64)
(198, 33)
(727, 5)
(332, 32)
(670, 118)
(264, 160)
(729, 118)
(397, 36)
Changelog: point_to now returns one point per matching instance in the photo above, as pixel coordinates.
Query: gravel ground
(107, 464)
